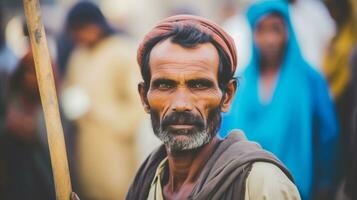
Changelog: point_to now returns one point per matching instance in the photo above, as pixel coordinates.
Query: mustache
(183, 118)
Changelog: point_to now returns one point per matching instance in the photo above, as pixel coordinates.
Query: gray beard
(193, 140)
(180, 140)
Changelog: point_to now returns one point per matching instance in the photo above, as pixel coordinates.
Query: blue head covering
(298, 124)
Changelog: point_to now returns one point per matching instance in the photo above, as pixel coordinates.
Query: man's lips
(181, 126)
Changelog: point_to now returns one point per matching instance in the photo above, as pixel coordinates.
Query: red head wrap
(209, 27)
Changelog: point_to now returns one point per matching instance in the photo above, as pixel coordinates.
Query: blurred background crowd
(304, 110)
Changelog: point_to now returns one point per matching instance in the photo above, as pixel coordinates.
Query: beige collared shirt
(265, 181)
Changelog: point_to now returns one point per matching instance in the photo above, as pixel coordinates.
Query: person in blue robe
(284, 104)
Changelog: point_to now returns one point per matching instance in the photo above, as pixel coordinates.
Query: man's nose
(182, 101)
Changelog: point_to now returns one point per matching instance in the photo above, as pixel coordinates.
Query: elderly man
(187, 64)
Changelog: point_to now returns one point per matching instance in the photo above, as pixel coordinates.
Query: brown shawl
(223, 176)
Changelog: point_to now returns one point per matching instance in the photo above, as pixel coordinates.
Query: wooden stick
(48, 94)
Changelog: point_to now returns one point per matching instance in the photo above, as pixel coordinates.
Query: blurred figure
(8, 62)
(99, 94)
(64, 49)
(8, 59)
(314, 29)
(3, 95)
(283, 103)
(350, 185)
(347, 189)
(238, 27)
(336, 62)
(311, 21)
(338, 72)
(26, 171)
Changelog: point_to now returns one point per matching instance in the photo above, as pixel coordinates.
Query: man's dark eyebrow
(158, 81)
(205, 81)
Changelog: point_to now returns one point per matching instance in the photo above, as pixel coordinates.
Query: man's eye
(164, 86)
(199, 85)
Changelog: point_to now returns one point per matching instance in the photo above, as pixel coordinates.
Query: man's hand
(74, 196)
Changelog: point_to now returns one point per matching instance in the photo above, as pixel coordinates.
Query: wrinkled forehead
(171, 57)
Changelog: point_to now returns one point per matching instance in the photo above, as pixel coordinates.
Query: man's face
(270, 37)
(184, 98)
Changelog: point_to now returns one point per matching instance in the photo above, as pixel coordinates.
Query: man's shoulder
(269, 181)
(266, 172)
(240, 151)
(237, 146)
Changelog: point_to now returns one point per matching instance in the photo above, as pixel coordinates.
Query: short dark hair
(187, 36)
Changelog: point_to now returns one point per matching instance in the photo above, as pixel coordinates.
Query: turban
(214, 30)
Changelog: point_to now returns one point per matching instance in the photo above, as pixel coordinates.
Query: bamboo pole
(49, 99)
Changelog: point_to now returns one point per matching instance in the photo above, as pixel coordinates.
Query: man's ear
(143, 96)
(229, 95)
